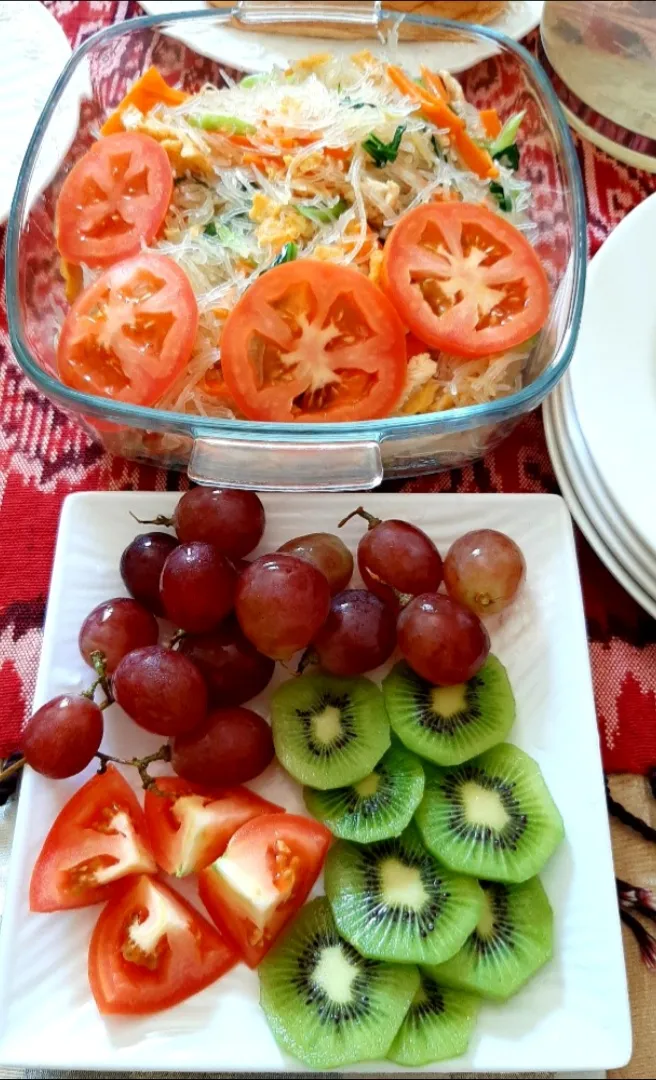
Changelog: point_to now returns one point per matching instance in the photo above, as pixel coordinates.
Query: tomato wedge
(464, 279)
(313, 342)
(98, 838)
(190, 826)
(113, 200)
(130, 334)
(151, 949)
(265, 875)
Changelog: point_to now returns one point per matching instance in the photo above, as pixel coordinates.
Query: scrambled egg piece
(73, 280)
(375, 264)
(309, 63)
(381, 198)
(308, 164)
(277, 224)
(184, 153)
(420, 386)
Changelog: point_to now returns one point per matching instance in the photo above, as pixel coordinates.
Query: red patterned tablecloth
(44, 456)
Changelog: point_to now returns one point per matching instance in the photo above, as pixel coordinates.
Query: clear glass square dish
(288, 456)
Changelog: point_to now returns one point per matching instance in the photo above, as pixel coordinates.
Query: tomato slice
(464, 279)
(151, 949)
(190, 826)
(130, 334)
(98, 838)
(113, 200)
(265, 875)
(313, 342)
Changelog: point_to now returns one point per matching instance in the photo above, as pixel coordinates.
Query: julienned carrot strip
(491, 122)
(435, 109)
(149, 90)
(434, 83)
(262, 160)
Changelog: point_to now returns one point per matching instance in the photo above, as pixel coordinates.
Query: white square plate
(573, 1016)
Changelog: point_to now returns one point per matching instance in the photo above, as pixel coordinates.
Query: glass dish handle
(280, 466)
(344, 12)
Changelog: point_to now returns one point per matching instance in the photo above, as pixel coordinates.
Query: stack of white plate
(600, 422)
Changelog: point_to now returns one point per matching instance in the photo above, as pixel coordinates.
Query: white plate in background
(574, 1016)
(613, 371)
(251, 51)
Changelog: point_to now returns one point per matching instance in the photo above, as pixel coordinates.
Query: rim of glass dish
(145, 417)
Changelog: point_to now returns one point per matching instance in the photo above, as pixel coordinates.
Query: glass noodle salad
(335, 242)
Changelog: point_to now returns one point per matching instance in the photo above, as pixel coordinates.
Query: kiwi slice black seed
(393, 901)
(437, 1026)
(450, 724)
(492, 817)
(325, 1003)
(327, 731)
(377, 807)
(512, 940)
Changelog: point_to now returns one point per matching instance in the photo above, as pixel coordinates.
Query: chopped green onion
(497, 192)
(287, 253)
(383, 153)
(323, 215)
(229, 238)
(210, 229)
(436, 147)
(508, 134)
(214, 122)
(252, 80)
(509, 157)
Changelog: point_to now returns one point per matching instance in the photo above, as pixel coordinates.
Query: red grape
(233, 669)
(197, 587)
(232, 745)
(442, 641)
(397, 560)
(358, 635)
(161, 690)
(483, 570)
(141, 567)
(115, 628)
(61, 738)
(281, 603)
(231, 520)
(328, 553)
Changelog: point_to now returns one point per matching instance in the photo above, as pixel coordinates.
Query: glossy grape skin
(141, 567)
(442, 641)
(161, 690)
(115, 628)
(232, 746)
(358, 635)
(281, 603)
(197, 587)
(484, 570)
(231, 520)
(398, 560)
(233, 669)
(61, 738)
(328, 553)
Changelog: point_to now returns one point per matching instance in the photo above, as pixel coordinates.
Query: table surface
(44, 456)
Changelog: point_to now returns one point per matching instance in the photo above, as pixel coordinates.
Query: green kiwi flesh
(513, 939)
(437, 1026)
(492, 817)
(393, 901)
(325, 1003)
(450, 724)
(327, 731)
(377, 807)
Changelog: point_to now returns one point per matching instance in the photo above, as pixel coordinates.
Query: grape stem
(99, 663)
(11, 769)
(140, 764)
(309, 657)
(161, 519)
(361, 512)
(177, 638)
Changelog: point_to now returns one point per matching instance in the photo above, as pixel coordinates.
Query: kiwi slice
(377, 807)
(450, 724)
(512, 940)
(393, 901)
(327, 731)
(492, 817)
(325, 1003)
(437, 1026)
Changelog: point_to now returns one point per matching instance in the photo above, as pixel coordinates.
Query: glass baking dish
(288, 457)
